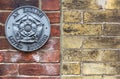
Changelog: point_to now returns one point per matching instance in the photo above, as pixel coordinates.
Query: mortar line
(56, 11)
(40, 4)
(61, 38)
(5, 10)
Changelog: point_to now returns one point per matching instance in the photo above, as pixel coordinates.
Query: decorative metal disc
(27, 28)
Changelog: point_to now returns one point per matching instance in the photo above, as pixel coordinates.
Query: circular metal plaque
(27, 28)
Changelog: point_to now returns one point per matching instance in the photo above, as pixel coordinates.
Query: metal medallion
(27, 28)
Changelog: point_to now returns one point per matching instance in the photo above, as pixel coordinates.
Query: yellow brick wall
(90, 39)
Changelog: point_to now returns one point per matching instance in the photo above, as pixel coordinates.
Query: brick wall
(90, 47)
(41, 64)
(90, 39)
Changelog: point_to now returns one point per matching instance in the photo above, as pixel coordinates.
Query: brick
(72, 55)
(28, 78)
(55, 30)
(3, 16)
(92, 77)
(30, 69)
(72, 42)
(94, 68)
(52, 44)
(111, 77)
(19, 3)
(70, 69)
(81, 77)
(102, 16)
(18, 57)
(82, 29)
(101, 42)
(49, 77)
(31, 57)
(51, 69)
(112, 4)
(92, 55)
(111, 55)
(71, 77)
(101, 68)
(49, 56)
(54, 17)
(90, 4)
(12, 4)
(71, 16)
(112, 68)
(51, 5)
(1, 58)
(111, 30)
(4, 44)
(39, 69)
(8, 69)
(19, 77)
(2, 32)
(7, 5)
(81, 4)
(9, 56)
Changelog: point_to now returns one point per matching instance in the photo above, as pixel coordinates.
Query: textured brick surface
(31, 77)
(81, 77)
(49, 56)
(112, 4)
(3, 16)
(2, 32)
(101, 68)
(111, 77)
(4, 44)
(101, 42)
(39, 69)
(12, 4)
(92, 55)
(50, 5)
(7, 5)
(90, 37)
(71, 68)
(19, 57)
(111, 55)
(19, 77)
(71, 77)
(82, 29)
(90, 4)
(52, 44)
(80, 4)
(54, 17)
(71, 16)
(19, 3)
(111, 30)
(72, 42)
(8, 69)
(55, 30)
(102, 16)
(72, 55)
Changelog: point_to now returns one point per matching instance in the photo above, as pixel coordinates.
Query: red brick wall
(41, 64)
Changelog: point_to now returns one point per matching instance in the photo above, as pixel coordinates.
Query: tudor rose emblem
(27, 28)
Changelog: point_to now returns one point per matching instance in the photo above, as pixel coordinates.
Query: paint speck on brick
(36, 57)
(15, 58)
(101, 3)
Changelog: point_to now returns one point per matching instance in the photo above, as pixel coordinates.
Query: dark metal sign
(27, 28)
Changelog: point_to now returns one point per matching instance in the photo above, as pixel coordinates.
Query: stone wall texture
(84, 41)
(90, 45)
